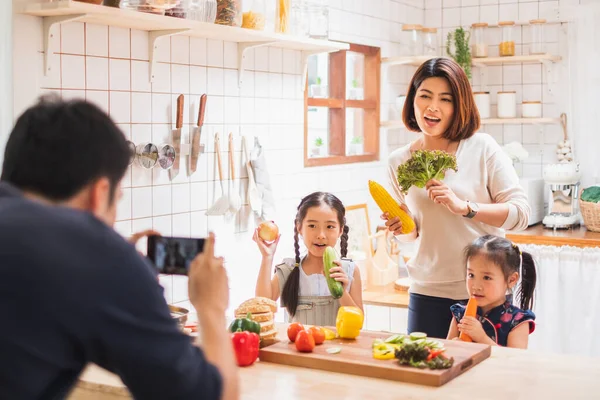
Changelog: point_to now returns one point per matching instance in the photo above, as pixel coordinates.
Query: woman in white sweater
(483, 197)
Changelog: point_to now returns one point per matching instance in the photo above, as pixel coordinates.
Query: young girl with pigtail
(494, 266)
(300, 282)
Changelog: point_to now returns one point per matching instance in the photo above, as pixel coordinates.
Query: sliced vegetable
(395, 339)
(418, 335)
(334, 350)
(329, 334)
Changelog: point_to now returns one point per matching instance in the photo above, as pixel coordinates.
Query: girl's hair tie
(516, 248)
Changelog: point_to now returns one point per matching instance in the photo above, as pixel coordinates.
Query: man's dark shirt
(72, 291)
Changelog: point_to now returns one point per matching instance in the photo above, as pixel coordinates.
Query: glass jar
(180, 10)
(282, 16)
(299, 23)
(479, 46)
(229, 12)
(149, 6)
(537, 36)
(254, 15)
(430, 46)
(203, 10)
(318, 14)
(507, 46)
(413, 39)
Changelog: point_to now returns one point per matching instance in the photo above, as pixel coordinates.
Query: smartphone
(173, 255)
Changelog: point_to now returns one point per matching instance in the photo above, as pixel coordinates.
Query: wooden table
(507, 374)
(537, 234)
(385, 296)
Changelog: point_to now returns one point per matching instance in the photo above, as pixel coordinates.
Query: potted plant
(356, 146)
(316, 90)
(457, 47)
(317, 147)
(355, 92)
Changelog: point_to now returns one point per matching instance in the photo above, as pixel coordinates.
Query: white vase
(318, 91)
(355, 149)
(316, 151)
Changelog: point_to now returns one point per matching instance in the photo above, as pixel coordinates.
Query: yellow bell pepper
(329, 334)
(349, 322)
(384, 351)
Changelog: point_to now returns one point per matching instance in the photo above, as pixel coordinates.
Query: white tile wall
(109, 66)
(530, 81)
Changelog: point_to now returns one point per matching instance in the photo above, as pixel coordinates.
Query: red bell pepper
(245, 345)
(434, 353)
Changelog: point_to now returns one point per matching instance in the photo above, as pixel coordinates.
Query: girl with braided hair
(494, 266)
(300, 282)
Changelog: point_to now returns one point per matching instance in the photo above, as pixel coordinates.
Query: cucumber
(418, 335)
(335, 288)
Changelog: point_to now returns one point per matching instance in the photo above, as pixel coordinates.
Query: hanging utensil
(177, 137)
(235, 201)
(196, 136)
(221, 206)
(253, 195)
(564, 150)
(147, 155)
(166, 156)
(132, 151)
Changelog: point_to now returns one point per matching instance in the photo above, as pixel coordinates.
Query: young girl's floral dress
(499, 321)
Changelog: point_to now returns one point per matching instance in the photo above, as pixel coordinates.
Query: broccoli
(591, 194)
(423, 166)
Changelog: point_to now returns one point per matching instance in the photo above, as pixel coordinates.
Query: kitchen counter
(385, 296)
(537, 234)
(508, 373)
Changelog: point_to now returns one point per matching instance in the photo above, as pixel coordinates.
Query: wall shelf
(490, 121)
(477, 62)
(159, 26)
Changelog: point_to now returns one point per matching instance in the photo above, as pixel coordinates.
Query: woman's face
(434, 106)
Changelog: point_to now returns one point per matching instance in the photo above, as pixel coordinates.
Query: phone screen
(173, 255)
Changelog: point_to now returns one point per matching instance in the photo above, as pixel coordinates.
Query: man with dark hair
(72, 291)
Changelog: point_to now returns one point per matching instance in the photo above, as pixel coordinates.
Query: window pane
(355, 76)
(318, 75)
(318, 131)
(355, 125)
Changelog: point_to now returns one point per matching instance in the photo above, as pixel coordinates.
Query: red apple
(268, 231)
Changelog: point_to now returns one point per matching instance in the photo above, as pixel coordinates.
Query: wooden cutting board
(356, 359)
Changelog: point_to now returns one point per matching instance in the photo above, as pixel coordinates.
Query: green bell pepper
(245, 325)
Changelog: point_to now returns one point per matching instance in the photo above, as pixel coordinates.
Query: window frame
(337, 105)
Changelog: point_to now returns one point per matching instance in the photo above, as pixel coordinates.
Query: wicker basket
(591, 215)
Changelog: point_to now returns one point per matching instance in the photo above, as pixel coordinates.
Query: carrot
(471, 311)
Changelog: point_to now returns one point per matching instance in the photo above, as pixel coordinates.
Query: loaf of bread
(257, 305)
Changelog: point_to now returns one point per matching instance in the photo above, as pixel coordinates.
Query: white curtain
(584, 62)
(566, 300)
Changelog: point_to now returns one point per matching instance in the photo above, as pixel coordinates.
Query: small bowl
(180, 315)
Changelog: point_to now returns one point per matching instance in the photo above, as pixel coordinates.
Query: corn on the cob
(387, 204)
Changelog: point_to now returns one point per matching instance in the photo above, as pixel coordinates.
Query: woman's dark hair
(509, 257)
(58, 147)
(289, 295)
(466, 116)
